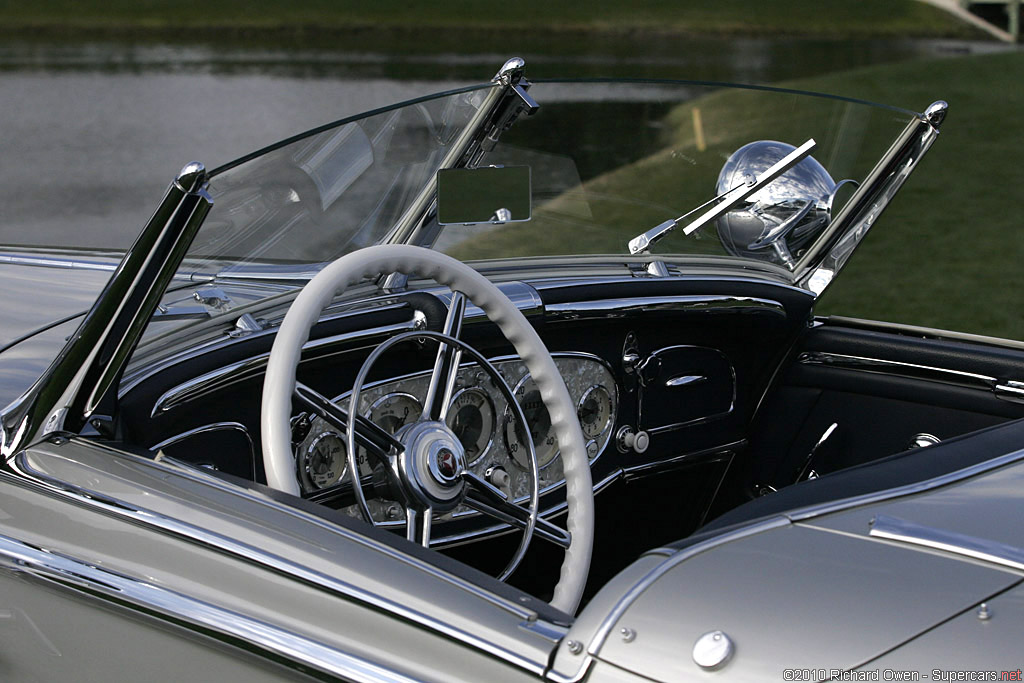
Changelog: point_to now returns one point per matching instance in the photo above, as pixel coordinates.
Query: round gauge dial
(537, 421)
(594, 411)
(394, 411)
(323, 462)
(471, 417)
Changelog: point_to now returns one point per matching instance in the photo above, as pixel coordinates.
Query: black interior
(743, 432)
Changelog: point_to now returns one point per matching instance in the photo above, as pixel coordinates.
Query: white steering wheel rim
(279, 384)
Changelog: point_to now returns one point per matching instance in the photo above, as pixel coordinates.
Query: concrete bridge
(961, 8)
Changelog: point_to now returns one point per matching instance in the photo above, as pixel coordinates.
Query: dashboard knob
(629, 440)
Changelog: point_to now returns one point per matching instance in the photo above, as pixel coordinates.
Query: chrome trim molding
(262, 558)
(245, 369)
(65, 263)
(524, 296)
(688, 303)
(811, 511)
(895, 529)
(137, 375)
(1009, 390)
(151, 600)
(213, 427)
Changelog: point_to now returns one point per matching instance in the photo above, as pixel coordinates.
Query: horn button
(432, 464)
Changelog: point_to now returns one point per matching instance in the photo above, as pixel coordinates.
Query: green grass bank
(433, 23)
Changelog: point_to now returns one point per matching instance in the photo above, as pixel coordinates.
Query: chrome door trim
(895, 529)
(688, 303)
(147, 599)
(911, 370)
(259, 557)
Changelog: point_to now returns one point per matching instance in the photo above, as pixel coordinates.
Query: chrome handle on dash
(683, 380)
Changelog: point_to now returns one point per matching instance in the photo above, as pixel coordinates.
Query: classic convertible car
(477, 387)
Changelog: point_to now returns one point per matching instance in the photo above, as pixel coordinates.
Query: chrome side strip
(688, 303)
(236, 372)
(895, 529)
(262, 558)
(66, 263)
(151, 600)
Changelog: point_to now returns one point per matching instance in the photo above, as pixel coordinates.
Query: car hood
(831, 592)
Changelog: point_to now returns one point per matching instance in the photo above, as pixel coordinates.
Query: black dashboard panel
(685, 360)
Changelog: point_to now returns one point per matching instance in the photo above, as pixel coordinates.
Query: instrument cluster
(480, 417)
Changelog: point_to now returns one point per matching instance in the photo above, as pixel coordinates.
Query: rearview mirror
(493, 194)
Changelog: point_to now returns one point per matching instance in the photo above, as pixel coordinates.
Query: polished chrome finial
(192, 175)
(510, 71)
(935, 114)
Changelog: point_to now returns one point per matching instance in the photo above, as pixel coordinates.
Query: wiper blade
(723, 203)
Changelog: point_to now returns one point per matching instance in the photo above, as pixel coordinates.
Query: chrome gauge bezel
(608, 400)
(508, 428)
(402, 395)
(489, 432)
(305, 454)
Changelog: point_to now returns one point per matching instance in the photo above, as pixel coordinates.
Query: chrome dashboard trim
(903, 531)
(521, 294)
(212, 427)
(238, 371)
(137, 375)
(687, 303)
(661, 429)
(149, 600)
(257, 556)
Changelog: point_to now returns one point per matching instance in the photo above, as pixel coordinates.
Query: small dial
(471, 417)
(394, 411)
(537, 421)
(594, 411)
(323, 462)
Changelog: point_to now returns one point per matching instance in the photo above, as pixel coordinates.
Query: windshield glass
(608, 161)
(611, 160)
(313, 198)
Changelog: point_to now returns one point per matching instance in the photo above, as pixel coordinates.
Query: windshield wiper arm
(723, 203)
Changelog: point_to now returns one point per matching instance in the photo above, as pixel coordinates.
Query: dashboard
(481, 418)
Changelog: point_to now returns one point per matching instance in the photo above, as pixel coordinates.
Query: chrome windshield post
(504, 104)
(81, 383)
(819, 266)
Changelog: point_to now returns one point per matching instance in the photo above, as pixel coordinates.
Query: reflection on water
(92, 134)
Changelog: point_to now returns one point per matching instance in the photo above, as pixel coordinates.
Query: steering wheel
(426, 462)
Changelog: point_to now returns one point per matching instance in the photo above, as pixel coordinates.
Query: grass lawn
(226, 18)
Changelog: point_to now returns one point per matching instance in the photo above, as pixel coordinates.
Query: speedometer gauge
(537, 421)
(471, 418)
(394, 411)
(323, 462)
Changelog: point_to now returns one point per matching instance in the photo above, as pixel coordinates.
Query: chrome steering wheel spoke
(417, 525)
(446, 366)
(488, 499)
(379, 445)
